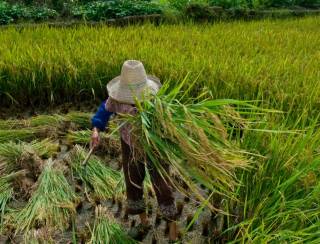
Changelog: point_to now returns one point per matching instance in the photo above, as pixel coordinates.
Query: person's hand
(95, 138)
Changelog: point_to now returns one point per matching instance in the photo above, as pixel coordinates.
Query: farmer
(134, 83)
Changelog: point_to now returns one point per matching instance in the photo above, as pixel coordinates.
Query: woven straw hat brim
(126, 94)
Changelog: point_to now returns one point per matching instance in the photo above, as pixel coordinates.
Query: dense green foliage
(263, 3)
(97, 10)
(10, 13)
(114, 9)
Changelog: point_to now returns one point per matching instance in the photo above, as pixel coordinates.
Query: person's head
(133, 83)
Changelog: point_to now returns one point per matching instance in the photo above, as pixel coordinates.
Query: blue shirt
(101, 117)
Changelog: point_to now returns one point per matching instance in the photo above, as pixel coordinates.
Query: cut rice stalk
(94, 173)
(106, 230)
(108, 142)
(39, 120)
(17, 135)
(80, 119)
(11, 153)
(6, 193)
(52, 204)
(191, 139)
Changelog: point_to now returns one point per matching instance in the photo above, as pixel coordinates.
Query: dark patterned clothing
(134, 172)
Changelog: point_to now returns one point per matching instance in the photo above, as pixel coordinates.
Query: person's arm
(99, 122)
(101, 117)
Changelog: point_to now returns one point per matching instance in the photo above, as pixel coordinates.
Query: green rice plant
(101, 178)
(83, 137)
(37, 121)
(106, 230)
(17, 135)
(109, 143)
(236, 61)
(45, 148)
(11, 153)
(28, 134)
(80, 119)
(6, 194)
(120, 189)
(191, 138)
(52, 204)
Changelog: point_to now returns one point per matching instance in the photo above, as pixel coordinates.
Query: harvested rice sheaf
(36, 121)
(12, 154)
(42, 123)
(106, 230)
(79, 119)
(101, 178)
(190, 137)
(6, 194)
(52, 204)
(108, 143)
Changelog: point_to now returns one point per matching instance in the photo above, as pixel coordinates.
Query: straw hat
(132, 83)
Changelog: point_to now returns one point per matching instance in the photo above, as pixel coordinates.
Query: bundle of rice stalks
(101, 178)
(18, 135)
(40, 120)
(191, 138)
(79, 119)
(52, 204)
(6, 193)
(28, 134)
(83, 137)
(108, 142)
(106, 230)
(12, 153)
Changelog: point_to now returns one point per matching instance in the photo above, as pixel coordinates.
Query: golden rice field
(272, 64)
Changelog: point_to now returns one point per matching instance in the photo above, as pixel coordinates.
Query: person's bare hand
(95, 138)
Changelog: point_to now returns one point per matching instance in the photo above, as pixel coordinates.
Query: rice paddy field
(52, 79)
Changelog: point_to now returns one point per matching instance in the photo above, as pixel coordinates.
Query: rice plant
(36, 121)
(6, 194)
(83, 137)
(106, 230)
(52, 204)
(237, 61)
(191, 138)
(11, 153)
(101, 178)
(17, 135)
(80, 119)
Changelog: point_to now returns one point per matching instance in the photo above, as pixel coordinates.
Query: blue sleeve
(101, 118)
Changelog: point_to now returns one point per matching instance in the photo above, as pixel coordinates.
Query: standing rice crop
(101, 178)
(52, 204)
(106, 230)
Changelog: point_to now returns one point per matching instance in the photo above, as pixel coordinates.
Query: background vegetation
(96, 10)
(265, 60)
